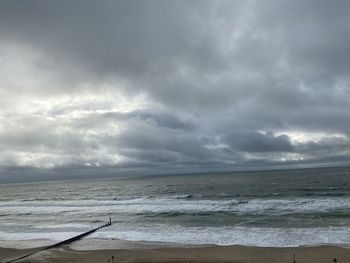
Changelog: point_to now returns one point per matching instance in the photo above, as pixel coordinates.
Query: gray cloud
(173, 85)
(259, 142)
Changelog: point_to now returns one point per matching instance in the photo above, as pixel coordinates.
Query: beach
(241, 254)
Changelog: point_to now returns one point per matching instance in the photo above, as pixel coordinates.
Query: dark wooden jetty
(64, 242)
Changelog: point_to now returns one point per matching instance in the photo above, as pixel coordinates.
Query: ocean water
(278, 208)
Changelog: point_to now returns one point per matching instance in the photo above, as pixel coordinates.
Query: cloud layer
(166, 86)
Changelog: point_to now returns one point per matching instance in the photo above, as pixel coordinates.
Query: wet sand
(241, 254)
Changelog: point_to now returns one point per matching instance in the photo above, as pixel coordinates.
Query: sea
(281, 208)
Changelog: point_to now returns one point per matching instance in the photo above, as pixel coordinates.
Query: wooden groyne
(64, 242)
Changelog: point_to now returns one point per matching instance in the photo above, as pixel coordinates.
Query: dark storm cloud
(158, 118)
(126, 38)
(173, 84)
(260, 142)
(325, 147)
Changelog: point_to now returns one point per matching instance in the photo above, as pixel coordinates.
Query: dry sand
(320, 254)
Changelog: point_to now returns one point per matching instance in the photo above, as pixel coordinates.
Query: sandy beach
(242, 254)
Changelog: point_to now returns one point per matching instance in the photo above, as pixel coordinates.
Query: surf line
(64, 242)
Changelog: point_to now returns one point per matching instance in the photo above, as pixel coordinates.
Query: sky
(111, 87)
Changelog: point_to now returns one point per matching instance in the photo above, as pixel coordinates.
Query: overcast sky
(95, 88)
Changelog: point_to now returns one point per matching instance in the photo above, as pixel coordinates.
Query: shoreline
(95, 243)
(200, 254)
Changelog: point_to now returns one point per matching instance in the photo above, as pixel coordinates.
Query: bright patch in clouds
(304, 137)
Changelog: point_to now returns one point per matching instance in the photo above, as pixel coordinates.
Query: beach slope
(241, 254)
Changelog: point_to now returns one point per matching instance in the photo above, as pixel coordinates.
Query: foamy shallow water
(264, 237)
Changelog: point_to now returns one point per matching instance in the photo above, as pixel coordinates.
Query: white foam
(63, 226)
(250, 236)
(264, 237)
(159, 205)
(294, 205)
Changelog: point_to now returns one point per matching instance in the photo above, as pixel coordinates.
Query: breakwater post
(64, 242)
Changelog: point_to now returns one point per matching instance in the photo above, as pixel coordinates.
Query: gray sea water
(278, 208)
